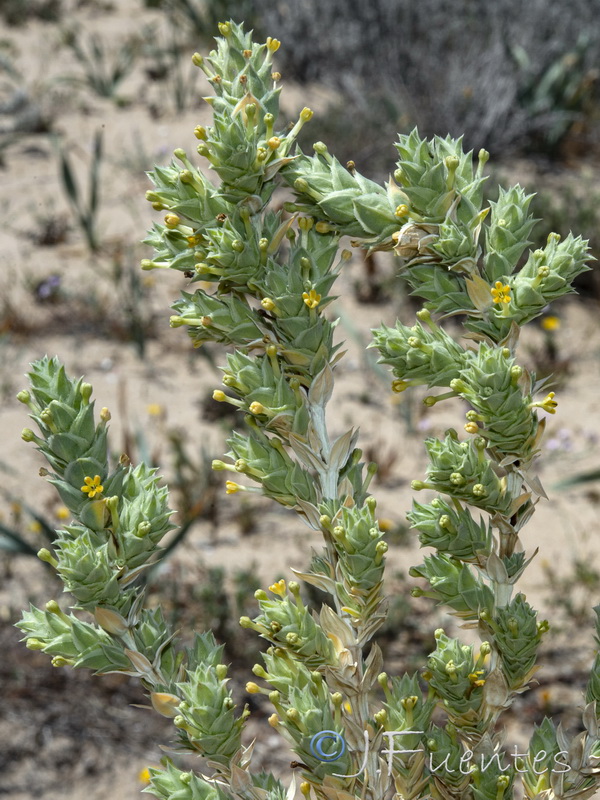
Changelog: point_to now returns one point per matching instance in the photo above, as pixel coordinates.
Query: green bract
(268, 276)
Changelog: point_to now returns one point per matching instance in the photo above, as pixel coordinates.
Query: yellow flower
(62, 512)
(231, 487)
(144, 775)
(278, 588)
(92, 486)
(35, 526)
(501, 292)
(550, 323)
(475, 679)
(549, 404)
(312, 299)
(252, 688)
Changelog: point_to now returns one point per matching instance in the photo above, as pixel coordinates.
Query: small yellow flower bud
(472, 427)
(252, 688)
(305, 788)
(105, 414)
(224, 28)
(276, 76)
(337, 699)
(256, 408)
(273, 44)
(304, 223)
(273, 721)
(231, 487)
(34, 644)
(172, 221)
(268, 304)
(274, 142)
(143, 529)
(401, 211)
(45, 555)
(323, 227)
(200, 132)
(219, 395)
(306, 114)
(59, 661)
(197, 60)
(408, 703)
(381, 717)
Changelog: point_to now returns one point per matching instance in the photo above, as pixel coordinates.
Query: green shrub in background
(508, 75)
(356, 731)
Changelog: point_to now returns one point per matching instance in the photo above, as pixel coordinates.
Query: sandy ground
(58, 739)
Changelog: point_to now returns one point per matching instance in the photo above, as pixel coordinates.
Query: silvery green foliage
(273, 276)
